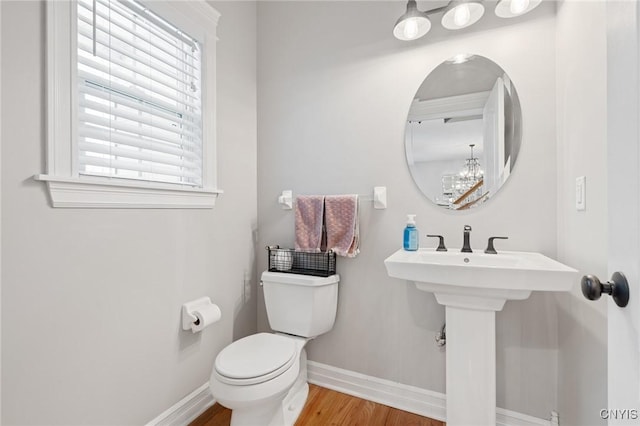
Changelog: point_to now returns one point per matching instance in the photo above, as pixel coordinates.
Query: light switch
(581, 193)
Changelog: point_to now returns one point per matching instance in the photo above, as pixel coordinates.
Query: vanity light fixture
(513, 8)
(462, 13)
(413, 24)
(457, 14)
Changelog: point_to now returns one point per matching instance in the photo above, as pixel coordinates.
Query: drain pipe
(441, 336)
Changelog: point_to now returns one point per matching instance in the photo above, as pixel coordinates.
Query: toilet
(262, 378)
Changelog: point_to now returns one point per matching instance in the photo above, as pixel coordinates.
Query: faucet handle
(441, 246)
(490, 249)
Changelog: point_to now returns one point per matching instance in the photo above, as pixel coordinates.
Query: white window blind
(139, 95)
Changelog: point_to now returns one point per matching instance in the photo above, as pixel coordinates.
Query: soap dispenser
(410, 241)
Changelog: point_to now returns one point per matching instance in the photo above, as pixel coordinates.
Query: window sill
(87, 192)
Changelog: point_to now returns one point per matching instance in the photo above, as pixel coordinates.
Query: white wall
(582, 235)
(91, 299)
(334, 89)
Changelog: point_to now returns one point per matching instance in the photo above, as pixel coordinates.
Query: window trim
(69, 189)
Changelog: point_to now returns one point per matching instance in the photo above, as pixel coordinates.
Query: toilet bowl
(262, 378)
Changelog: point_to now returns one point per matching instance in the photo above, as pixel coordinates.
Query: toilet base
(282, 411)
(294, 402)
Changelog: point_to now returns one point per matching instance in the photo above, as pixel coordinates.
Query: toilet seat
(255, 359)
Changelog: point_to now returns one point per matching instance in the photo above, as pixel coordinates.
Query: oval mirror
(463, 132)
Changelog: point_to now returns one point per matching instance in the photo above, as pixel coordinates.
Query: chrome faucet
(466, 246)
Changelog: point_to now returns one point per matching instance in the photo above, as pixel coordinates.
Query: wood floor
(325, 407)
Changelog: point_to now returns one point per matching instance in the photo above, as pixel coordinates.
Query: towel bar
(379, 198)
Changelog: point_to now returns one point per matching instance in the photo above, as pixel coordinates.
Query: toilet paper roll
(205, 316)
(283, 260)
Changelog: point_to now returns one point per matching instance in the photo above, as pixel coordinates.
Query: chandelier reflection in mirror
(456, 14)
(465, 187)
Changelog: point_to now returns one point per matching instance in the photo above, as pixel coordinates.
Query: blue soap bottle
(410, 241)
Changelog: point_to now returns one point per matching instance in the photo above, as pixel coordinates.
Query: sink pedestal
(471, 367)
(471, 358)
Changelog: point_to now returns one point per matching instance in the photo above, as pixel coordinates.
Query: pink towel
(309, 218)
(343, 229)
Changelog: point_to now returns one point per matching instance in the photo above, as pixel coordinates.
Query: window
(131, 111)
(139, 106)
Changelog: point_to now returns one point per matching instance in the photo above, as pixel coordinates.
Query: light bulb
(410, 30)
(513, 8)
(518, 6)
(462, 15)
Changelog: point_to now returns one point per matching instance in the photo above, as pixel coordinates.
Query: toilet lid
(261, 355)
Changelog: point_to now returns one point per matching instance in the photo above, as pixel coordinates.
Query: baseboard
(397, 395)
(187, 409)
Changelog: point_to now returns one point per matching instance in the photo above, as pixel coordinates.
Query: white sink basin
(508, 275)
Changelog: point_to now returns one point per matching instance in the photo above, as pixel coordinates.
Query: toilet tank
(302, 305)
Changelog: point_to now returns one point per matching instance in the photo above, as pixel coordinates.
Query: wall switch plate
(581, 193)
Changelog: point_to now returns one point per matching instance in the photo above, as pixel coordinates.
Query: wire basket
(299, 262)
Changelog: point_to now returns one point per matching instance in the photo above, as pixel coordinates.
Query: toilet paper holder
(188, 309)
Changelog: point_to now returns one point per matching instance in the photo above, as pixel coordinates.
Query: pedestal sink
(473, 286)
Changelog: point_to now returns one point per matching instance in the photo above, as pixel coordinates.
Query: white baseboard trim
(187, 409)
(397, 395)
